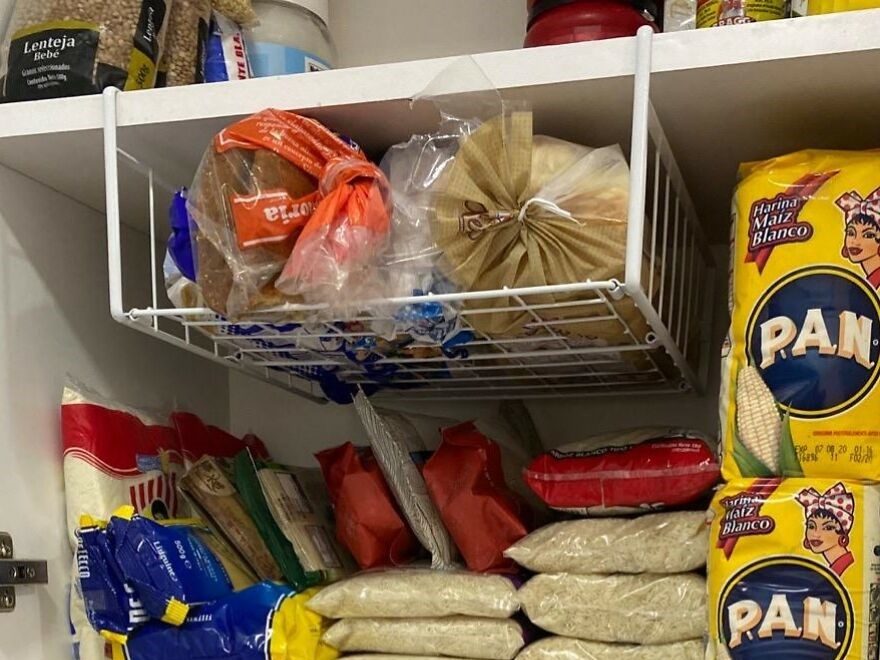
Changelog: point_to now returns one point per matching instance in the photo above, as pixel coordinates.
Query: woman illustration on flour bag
(862, 232)
(829, 519)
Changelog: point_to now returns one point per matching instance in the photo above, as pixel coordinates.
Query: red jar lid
(554, 22)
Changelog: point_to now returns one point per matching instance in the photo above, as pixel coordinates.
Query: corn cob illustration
(757, 418)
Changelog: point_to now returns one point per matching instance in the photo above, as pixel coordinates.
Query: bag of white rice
(113, 456)
(638, 609)
(457, 636)
(658, 543)
(417, 592)
(565, 648)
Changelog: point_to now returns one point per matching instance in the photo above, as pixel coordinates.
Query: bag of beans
(57, 48)
(183, 59)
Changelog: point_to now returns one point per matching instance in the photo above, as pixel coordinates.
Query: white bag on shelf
(418, 592)
(673, 542)
(466, 637)
(565, 648)
(637, 609)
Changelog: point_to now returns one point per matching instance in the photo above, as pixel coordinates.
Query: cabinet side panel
(55, 323)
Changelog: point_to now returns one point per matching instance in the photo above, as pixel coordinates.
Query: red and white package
(368, 521)
(466, 482)
(626, 472)
(198, 439)
(114, 456)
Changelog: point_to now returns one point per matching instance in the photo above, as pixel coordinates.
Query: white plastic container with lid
(291, 37)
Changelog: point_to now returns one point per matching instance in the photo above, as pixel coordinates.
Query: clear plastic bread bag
(280, 192)
(488, 205)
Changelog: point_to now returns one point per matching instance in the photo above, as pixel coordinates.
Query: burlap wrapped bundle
(518, 210)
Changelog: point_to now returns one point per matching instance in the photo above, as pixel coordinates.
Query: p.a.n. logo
(815, 337)
(785, 608)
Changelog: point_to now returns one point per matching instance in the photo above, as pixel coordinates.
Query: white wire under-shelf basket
(648, 332)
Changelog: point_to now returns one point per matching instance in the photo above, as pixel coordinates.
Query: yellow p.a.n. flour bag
(800, 379)
(793, 570)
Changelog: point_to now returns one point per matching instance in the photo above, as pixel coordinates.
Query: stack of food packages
(188, 539)
(614, 587)
(56, 48)
(392, 508)
(423, 612)
(288, 230)
(794, 567)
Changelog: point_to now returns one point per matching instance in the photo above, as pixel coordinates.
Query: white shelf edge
(675, 51)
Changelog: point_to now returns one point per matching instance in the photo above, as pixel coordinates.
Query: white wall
(54, 321)
(294, 428)
(418, 29)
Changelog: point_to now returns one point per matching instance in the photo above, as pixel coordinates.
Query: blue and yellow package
(264, 622)
(111, 604)
(168, 565)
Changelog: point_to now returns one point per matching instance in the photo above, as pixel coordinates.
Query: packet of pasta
(167, 564)
(802, 359)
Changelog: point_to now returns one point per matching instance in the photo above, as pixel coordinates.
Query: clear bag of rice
(418, 592)
(636, 609)
(659, 543)
(457, 636)
(565, 648)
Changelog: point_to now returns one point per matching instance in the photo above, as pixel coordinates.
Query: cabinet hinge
(17, 572)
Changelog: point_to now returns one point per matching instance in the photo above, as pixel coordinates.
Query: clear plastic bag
(565, 648)
(489, 205)
(183, 58)
(660, 543)
(468, 637)
(636, 609)
(418, 592)
(335, 259)
(279, 191)
(56, 48)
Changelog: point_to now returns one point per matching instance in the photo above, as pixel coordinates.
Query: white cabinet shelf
(724, 95)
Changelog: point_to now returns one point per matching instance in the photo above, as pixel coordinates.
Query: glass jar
(291, 37)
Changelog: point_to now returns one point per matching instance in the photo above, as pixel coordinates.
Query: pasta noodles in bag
(794, 570)
(802, 360)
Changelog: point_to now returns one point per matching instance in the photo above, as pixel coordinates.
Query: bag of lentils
(183, 58)
(57, 48)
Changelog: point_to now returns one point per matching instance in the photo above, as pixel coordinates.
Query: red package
(466, 482)
(368, 522)
(625, 472)
(199, 439)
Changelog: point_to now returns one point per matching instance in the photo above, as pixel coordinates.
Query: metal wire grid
(658, 312)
